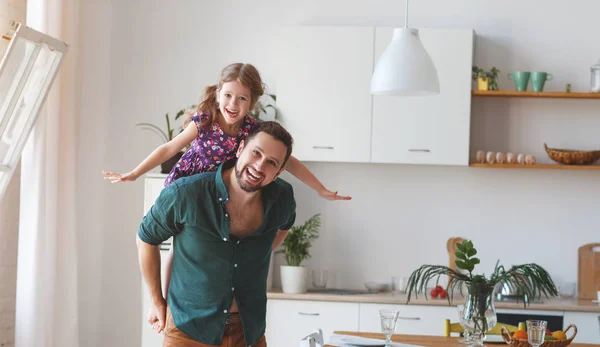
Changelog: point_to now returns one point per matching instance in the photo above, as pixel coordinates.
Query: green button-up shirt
(210, 266)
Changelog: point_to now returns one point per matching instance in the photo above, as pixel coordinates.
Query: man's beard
(245, 188)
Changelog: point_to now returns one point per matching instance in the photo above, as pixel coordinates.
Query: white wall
(152, 57)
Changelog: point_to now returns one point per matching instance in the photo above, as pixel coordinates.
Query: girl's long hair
(246, 74)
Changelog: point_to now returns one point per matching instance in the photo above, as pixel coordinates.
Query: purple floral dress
(210, 148)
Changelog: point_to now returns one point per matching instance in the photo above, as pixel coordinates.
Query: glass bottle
(595, 80)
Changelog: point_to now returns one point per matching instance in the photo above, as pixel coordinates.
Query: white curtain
(47, 295)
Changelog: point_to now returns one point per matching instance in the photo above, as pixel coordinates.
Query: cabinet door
(588, 326)
(323, 91)
(428, 129)
(414, 320)
(288, 321)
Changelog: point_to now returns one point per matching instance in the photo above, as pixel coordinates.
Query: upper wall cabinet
(430, 129)
(323, 91)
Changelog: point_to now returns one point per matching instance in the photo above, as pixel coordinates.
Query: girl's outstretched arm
(296, 168)
(163, 153)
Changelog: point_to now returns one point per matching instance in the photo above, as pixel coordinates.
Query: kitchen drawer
(588, 326)
(288, 321)
(415, 319)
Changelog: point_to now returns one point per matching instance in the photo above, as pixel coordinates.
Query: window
(27, 71)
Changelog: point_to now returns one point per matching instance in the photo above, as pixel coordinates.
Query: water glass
(319, 278)
(536, 331)
(399, 284)
(463, 323)
(388, 323)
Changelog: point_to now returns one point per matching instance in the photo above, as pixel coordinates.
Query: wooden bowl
(507, 337)
(572, 157)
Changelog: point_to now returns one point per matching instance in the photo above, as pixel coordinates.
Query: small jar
(595, 81)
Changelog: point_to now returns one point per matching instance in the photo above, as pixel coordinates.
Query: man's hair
(278, 132)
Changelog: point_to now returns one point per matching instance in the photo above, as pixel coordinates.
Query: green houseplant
(260, 108)
(480, 314)
(168, 135)
(486, 80)
(295, 248)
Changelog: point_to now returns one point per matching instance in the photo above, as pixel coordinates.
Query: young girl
(215, 132)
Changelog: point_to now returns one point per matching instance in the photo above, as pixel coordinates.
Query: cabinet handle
(418, 150)
(410, 318)
(323, 147)
(308, 314)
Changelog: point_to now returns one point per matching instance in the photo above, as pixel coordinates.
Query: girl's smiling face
(234, 101)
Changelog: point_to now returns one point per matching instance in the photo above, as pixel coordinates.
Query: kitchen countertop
(574, 305)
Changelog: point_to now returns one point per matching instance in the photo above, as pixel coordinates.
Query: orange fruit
(559, 335)
(520, 334)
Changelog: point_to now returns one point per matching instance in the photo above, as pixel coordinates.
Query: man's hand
(329, 195)
(157, 316)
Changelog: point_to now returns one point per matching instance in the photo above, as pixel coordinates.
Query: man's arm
(149, 259)
(279, 238)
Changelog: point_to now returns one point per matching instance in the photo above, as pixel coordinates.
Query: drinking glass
(463, 323)
(319, 278)
(536, 330)
(388, 323)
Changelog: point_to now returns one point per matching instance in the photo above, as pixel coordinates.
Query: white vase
(294, 279)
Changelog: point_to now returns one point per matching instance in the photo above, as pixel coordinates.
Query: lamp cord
(406, 14)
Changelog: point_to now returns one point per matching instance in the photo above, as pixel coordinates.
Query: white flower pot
(294, 279)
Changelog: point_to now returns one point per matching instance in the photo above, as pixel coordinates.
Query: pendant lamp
(405, 68)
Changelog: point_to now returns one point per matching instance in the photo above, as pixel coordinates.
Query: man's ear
(240, 149)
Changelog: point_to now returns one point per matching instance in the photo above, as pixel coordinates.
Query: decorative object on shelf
(480, 313)
(530, 159)
(521, 158)
(405, 68)
(595, 78)
(166, 167)
(572, 157)
(500, 158)
(490, 157)
(568, 88)
(511, 158)
(295, 276)
(530, 94)
(521, 79)
(538, 79)
(549, 341)
(480, 157)
(486, 80)
(261, 109)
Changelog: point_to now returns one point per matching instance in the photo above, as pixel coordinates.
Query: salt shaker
(595, 80)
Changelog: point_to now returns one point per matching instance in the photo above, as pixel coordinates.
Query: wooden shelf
(537, 166)
(512, 93)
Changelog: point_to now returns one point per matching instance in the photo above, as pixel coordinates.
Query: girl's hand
(329, 195)
(114, 177)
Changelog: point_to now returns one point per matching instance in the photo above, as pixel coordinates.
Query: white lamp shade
(405, 68)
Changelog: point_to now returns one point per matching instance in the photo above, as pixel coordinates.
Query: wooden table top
(431, 341)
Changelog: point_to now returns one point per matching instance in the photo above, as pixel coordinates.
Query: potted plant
(479, 313)
(167, 136)
(260, 108)
(295, 276)
(486, 80)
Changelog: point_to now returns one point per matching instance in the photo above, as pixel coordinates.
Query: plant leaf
(471, 252)
(461, 255)
(462, 265)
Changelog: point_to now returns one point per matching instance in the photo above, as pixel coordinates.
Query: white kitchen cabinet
(428, 129)
(415, 319)
(588, 326)
(288, 321)
(323, 91)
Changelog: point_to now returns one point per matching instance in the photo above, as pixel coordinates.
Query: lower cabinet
(414, 319)
(288, 321)
(588, 326)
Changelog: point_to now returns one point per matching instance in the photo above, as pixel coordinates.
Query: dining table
(429, 341)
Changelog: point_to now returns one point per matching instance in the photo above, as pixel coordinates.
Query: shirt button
(224, 239)
(234, 265)
(238, 242)
(226, 215)
(224, 311)
(232, 289)
(220, 199)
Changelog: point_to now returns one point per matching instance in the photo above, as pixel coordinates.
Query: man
(225, 225)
